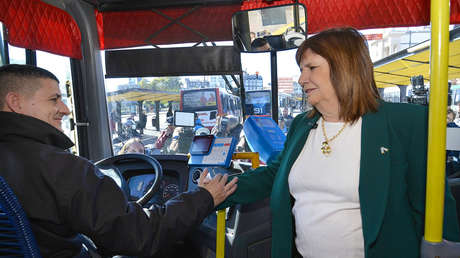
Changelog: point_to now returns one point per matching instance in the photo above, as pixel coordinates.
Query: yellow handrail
(437, 121)
(220, 227)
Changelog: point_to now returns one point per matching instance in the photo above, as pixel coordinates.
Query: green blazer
(391, 184)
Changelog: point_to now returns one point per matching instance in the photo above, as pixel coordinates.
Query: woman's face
(316, 81)
(135, 147)
(450, 117)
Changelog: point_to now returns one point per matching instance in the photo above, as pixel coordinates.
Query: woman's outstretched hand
(217, 186)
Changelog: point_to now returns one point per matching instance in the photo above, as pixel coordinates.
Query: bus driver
(64, 195)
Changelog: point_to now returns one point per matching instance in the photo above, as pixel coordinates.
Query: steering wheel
(292, 29)
(113, 161)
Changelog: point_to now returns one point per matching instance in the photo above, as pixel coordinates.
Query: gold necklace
(325, 148)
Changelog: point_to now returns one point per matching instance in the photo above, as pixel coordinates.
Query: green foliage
(172, 84)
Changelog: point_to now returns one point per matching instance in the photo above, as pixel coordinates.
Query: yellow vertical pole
(220, 234)
(220, 227)
(437, 120)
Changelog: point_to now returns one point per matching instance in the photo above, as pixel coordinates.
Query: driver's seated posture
(64, 195)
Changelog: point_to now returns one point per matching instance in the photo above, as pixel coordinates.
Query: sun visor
(219, 60)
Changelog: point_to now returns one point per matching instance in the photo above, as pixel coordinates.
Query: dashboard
(135, 177)
(139, 185)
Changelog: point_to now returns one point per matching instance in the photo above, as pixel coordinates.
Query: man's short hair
(13, 78)
(258, 42)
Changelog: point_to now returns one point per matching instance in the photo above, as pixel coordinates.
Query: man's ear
(13, 102)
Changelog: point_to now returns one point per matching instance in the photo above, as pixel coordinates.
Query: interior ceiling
(399, 71)
(51, 29)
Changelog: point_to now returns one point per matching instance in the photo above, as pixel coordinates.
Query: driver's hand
(217, 186)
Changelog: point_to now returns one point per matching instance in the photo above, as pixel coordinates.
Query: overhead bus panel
(221, 60)
(129, 5)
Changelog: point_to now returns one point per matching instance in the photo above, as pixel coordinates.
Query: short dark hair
(351, 70)
(258, 42)
(13, 78)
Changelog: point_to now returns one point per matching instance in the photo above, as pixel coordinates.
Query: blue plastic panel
(264, 136)
(219, 155)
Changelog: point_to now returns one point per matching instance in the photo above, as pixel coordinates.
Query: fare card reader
(264, 136)
(211, 151)
(208, 150)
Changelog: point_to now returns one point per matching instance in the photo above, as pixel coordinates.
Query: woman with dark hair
(350, 181)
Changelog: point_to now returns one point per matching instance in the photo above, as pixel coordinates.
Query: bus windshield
(142, 110)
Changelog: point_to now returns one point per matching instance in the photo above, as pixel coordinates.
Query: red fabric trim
(135, 28)
(361, 14)
(215, 22)
(100, 28)
(36, 25)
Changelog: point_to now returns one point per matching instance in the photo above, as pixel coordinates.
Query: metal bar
(31, 57)
(221, 214)
(177, 21)
(253, 156)
(437, 121)
(425, 62)
(220, 234)
(173, 21)
(274, 78)
(238, 85)
(405, 76)
(243, 96)
(3, 46)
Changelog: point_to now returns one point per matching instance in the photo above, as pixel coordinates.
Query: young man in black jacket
(64, 195)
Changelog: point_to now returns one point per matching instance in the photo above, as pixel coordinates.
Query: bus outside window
(60, 66)
(210, 103)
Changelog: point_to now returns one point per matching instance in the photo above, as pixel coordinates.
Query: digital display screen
(191, 100)
(258, 102)
(256, 97)
(201, 144)
(184, 118)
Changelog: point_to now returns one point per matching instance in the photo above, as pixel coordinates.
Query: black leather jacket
(64, 195)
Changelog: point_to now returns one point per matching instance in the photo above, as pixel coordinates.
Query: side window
(224, 99)
(17, 55)
(290, 93)
(2, 48)
(60, 66)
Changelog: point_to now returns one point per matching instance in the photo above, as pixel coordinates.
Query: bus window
(2, 48)
(392, 94)
(290, 93)
(17, 55)
(207, 106)
(60, 66)
(222, 116)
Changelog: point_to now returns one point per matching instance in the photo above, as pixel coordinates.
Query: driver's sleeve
(99, 209)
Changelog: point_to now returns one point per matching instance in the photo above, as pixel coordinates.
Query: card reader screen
(201, 144)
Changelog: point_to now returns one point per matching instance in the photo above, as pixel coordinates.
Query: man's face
(46, 104)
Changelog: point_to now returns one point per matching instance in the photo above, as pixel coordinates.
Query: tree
(168, 84)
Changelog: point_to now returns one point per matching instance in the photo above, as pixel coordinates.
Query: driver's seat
(16, 237)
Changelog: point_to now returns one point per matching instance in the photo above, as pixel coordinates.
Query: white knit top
(327, 210)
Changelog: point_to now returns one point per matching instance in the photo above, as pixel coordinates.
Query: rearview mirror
(270, 29)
